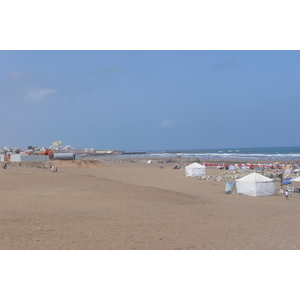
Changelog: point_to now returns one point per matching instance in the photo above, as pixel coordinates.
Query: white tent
(194, 170)
(255, 185)
(295, 179)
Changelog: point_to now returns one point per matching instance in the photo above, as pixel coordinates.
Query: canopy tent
(296, 179)
(255, 185)
(229, 187)
(194, 170)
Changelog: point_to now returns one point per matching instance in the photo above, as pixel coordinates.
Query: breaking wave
(242, 154)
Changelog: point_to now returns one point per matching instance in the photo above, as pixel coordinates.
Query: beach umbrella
(287, 179)
(285, 182)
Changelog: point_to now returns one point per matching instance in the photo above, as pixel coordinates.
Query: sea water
(238, 154)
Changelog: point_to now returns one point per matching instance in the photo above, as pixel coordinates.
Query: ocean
(237, 154)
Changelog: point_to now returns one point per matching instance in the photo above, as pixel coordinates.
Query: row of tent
(196, 169)
(253, 184)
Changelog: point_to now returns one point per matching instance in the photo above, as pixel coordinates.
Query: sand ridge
(78, 164)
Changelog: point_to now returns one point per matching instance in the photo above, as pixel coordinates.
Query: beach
(126, 205)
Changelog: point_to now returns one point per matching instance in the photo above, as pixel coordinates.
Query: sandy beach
(135, 205)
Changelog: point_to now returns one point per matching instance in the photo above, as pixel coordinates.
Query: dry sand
(114, 205)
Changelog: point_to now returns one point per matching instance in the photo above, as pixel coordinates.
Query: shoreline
(177, 159)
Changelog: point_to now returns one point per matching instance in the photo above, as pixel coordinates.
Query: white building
(57, 143)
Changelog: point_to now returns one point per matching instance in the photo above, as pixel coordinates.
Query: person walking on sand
(287, 195)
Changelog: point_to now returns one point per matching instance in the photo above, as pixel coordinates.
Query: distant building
(57, 143)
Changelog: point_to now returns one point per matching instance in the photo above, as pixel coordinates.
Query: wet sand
(124, 205)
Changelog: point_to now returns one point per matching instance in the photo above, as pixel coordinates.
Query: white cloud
(230, 63)
(170, 122)
(38, 95)
(106, 71)
(16, 75)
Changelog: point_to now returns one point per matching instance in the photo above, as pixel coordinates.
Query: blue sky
(146, 100)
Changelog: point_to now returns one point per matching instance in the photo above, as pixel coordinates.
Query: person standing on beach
(287, 195)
